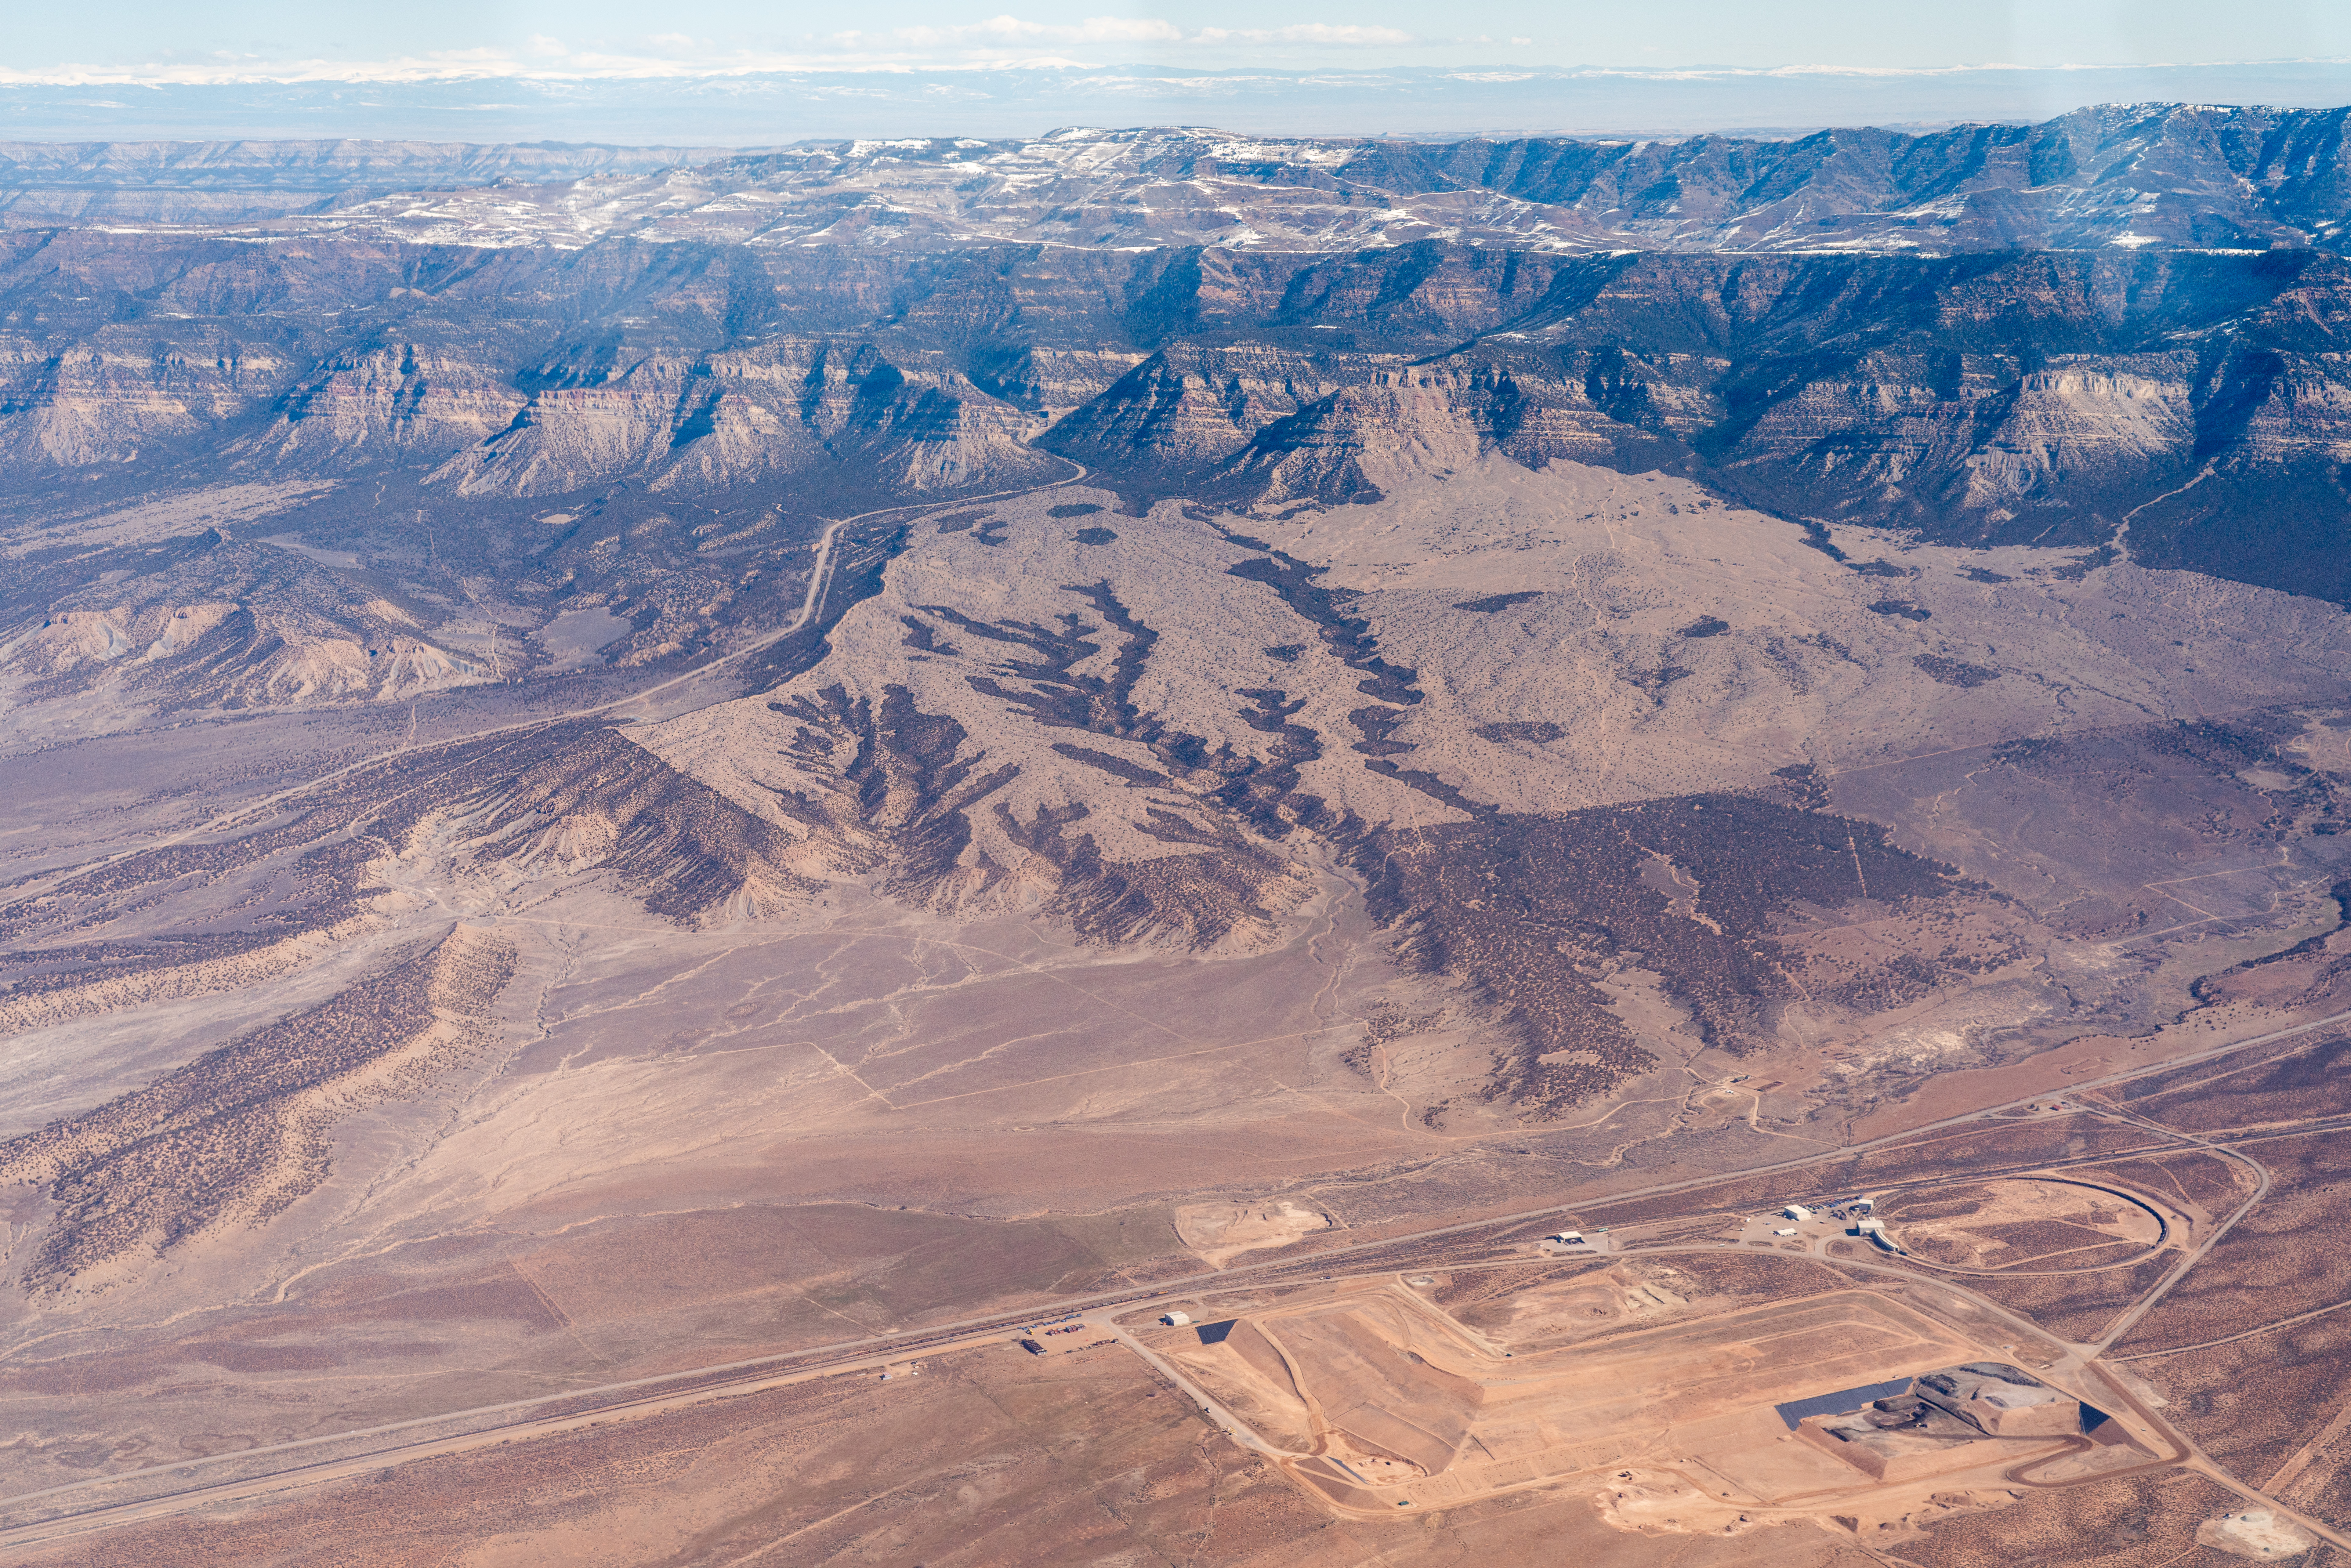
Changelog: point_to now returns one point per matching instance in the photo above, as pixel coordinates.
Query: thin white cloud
(1010, 29)
(1304, 33)
(998, 43)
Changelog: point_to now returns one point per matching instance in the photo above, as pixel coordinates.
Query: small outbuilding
(1175, 1320)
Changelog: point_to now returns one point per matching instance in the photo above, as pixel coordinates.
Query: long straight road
(83, 1506)
(302, 1475)
(86, 1506)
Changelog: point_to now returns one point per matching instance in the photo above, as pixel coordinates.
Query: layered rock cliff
(2197, 399)
(991, 554)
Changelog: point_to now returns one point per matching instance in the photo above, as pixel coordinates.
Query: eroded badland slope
(594, 807)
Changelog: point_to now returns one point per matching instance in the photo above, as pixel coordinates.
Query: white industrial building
(1174, 1319)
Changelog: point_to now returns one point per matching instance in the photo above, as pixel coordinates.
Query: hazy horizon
(767, 109)
(739, 74)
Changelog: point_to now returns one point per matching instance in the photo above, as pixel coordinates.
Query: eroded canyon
(645, 834)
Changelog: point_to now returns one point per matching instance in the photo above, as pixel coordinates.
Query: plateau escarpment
(182, 182)
(1143, 590)
(2125, 174)
(640, 770)
(2158, 398)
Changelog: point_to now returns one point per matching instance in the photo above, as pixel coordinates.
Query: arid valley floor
(718, 897)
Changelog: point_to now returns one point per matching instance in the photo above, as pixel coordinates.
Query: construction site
(1681, 1411)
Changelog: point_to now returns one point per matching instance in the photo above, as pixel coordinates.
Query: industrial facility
(1921, 1426)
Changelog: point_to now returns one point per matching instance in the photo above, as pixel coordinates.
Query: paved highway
(97, 1503)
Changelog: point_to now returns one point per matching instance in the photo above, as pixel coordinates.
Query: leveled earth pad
(1378, 1400)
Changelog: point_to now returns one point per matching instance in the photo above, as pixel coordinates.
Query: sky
(741, 73)
(171, 41)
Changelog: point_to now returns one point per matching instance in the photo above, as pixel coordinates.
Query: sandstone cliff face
(384, 399)
(2000, 397)
(118, 391)
(1535, 584)
(615, 455)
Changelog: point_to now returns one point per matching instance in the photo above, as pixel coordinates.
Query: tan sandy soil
(1221, 1232)
(2022, 1224)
